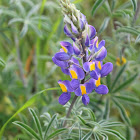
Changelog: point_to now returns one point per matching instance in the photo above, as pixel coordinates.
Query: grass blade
(32, 100)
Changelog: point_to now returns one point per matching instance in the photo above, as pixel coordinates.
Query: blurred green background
(30, 32)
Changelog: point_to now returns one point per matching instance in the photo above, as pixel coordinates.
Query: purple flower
(66, 89)
(83, 90)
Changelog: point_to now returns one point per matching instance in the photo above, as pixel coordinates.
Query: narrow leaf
(28, 129)
(126, 83)
(122, 112)
(126, 29)
(129, 99)
(138, 39)
(104, 25)
(115, 133)
(87, 136)
(2, 63)
(56, 133)
(107, 109)
(49, 125)
(37, 122)
(97, 4)
(118, 76)
(134, 4)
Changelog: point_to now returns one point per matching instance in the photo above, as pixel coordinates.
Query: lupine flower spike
(86, 75)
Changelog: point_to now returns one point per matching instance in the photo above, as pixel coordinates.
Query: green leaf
(128, 98)
(87, 136)
(37, 122)
(24, 30)
(81, 119)
(92, 115)
(80, 132)
(49, 125)
(104, 25)
(113, 3)
(117, 77)
(2, 63)
(134, 4)
(56, 133)
(126, 83)
(107, 109)
(122, 112)
(115, 133)
(96, 136)
(32, 100)
(138, 39)
(28, 129)
(126, 29)
(97, 4)
(108, 81)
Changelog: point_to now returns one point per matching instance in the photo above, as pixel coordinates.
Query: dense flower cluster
(86, 75)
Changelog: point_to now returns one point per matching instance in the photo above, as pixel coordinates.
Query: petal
(106, 69)
(75, 83)
(81, 24)
(62, 56)
(84, 18)
(61, 64)
(67, 47)
(101, 44)
(76, 49)
(92, 31)
(65, 71)
(85, 99)
(94, 75)
(92, 82)
(74, 29)
(68, 85)
(87, 41)
(102, 89)
(78, 92)
(86, 66)
(74, 60)
(64, 98)
(102, 54)
(89, 87)
(67, 31)
(81, 73)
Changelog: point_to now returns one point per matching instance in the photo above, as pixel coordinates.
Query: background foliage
(30, 32)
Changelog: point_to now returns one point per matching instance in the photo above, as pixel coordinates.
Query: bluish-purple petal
(62, 56)
(68, 46)
(61, 64)
(89, 87)
(102, 54)
(87, 41)
(78, 92)
(85, 99)
(92, 31)
(75, 83)
(74, 29)
(94, 75)
(106, 69)
(65, 71)
(101, 44)
(67, 31)
(102, 89)
(76, 49)
(81, 73)
(64, 98)
(86, 66)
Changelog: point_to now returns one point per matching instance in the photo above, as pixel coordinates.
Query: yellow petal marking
(65, 50)
(92, 67)
(120, 62)
(99, 65)
(97, 43)
(73, 74)
(63, 87)
(98, 82)
(83, 89)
